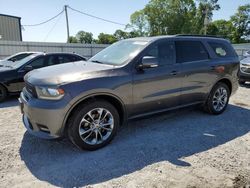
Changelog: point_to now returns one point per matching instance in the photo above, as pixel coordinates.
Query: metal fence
(8, 48)
(241, 49)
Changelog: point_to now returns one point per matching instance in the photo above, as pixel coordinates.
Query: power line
(44, 22)
(99, 18)
(53, 27)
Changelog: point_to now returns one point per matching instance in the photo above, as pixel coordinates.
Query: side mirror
(28, 68)
(148, 62)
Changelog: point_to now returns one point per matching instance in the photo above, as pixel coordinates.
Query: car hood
(245, 61)
(67, 73)
(4, 69)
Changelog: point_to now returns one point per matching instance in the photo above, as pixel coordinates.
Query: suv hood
(245, 61)
(66, 73)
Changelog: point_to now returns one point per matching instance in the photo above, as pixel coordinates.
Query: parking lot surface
(183, 148)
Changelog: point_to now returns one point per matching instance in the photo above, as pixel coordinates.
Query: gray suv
(88, 101)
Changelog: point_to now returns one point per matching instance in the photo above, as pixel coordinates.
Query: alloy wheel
(220, 99)
(96, 126)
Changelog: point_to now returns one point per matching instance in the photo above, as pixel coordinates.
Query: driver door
(158, 88)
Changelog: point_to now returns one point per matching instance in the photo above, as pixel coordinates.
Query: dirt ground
(184, 148)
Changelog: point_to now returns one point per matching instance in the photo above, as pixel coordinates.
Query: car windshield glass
(18, 57)
(119, 53)
(20, 63)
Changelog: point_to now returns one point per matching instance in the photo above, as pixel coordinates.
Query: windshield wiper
(96, 61)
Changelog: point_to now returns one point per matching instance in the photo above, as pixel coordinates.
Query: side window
(53, 60)
(58, 59)
(220, 49)
(187, 51)
(71, 58)
(74, 58)
(164, 52)
(38, 63)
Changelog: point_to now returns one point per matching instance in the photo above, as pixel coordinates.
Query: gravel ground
(184, 148)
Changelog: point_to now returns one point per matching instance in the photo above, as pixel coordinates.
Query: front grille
(31, 89)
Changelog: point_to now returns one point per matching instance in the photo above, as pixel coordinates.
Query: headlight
(49, 93)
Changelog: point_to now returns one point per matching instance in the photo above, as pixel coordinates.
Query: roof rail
(196, 35)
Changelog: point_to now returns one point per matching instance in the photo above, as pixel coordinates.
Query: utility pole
(67, 21)
(206, 21)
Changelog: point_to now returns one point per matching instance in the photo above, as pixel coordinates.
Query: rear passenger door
(195, 70)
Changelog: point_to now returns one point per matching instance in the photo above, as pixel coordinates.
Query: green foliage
(84, 37)
(106, 39)
(221, 28)
(241, 23)
(72, 39)
(169, 17)
(161, 17)
(139, 23)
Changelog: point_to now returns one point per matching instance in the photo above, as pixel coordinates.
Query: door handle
(174, 73)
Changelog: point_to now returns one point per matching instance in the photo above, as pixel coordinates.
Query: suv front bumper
(42, 118)
(243, 76)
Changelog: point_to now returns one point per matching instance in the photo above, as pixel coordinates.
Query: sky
(36, 11)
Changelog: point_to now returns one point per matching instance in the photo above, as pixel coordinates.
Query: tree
(204, 14)
(106, 39)
(139, 23)
(120, 35)
(241, 22)
(84, 37)
(160, 17)
(72, 39)
(221, 28)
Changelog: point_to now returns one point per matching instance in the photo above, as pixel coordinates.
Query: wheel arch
(227, 82)
(113, 99)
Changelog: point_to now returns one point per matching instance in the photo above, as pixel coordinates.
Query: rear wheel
(3, 93)
(93, 125)
(218, 99)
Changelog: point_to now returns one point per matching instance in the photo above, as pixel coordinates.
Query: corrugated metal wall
(8, 48)
(10, 28)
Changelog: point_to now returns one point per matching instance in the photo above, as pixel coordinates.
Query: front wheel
(93, 125)
(218, 99)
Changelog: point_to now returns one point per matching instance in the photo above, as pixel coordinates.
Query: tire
(215, 103)
(3, 93)
(96, 131)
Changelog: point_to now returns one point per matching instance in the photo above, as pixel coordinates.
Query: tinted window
(38, 63)
(19, 57)
(220, 49)
(187, 51)
(59, 59)
(164, 51)
(74, 58)
(53, 60)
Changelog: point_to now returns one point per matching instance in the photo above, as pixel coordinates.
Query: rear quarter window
(221, 50)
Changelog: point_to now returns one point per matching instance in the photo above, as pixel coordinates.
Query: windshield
(18, 57)
(20, 63)
(119, 53)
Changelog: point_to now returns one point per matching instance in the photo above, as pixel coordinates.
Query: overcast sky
(33, 12)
